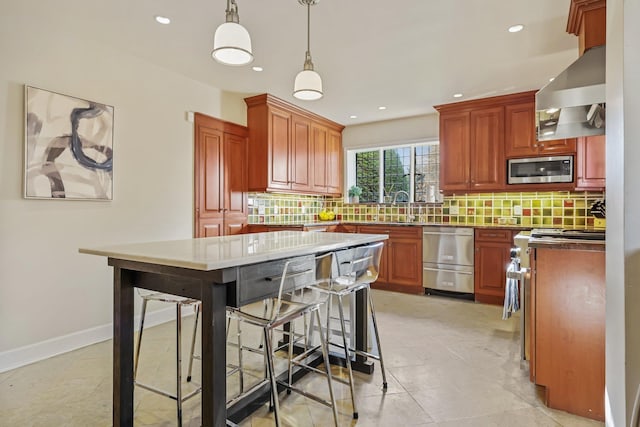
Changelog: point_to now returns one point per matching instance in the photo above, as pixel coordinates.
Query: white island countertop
(213, 253)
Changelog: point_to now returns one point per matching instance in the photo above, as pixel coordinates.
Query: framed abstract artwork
(68, 147)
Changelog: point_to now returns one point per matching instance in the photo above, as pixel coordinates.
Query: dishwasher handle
(446, 270)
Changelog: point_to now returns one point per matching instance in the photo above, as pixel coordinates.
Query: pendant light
(308, 84)
(231, 42)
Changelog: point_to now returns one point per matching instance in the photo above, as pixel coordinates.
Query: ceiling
(405, 55)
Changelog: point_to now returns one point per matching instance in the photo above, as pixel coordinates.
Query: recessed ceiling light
(163, 20)
(257, 68)
(516, 28)
(457, 95)
(353, 116)
(552, 79)
(382, 108)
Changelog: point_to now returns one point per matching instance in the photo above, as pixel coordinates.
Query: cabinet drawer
(259, 281)
(493, 235)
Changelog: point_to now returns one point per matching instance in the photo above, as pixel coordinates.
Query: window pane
(427, 178)
(368, 175)
(397, 167)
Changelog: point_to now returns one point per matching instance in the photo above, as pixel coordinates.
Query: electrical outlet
(260, 210)
(517, 210)
(454, 210)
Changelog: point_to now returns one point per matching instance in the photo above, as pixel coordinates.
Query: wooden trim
(576, 11)
(271, 100)
(224, 126)
(493, 101)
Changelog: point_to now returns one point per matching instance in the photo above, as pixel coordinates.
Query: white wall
(391, 132)
(623, 202)
(47, 289)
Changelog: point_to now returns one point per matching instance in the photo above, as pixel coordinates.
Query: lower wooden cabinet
(492, 255)
(401, 263)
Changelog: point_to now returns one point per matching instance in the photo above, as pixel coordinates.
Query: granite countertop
(571, 244)
(212, 253)
(305, 224)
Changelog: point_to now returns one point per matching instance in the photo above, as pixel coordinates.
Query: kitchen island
(568, 323)
(214, 270)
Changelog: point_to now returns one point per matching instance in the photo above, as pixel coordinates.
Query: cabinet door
(591, 163)
(209, 180)
(300, 155)
(454, 151)
(490, 263)
(235, 184)
(319, 157)
(279, 142)
(487, 149)
(404, 259)
(557, 146)
(520, 127)
(210, 227)
(334, 163)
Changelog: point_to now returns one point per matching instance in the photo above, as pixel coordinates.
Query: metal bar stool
(357, 269)
(180, 302)
(285, 309)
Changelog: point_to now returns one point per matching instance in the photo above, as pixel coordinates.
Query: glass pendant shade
(308, 85)
(232, 44)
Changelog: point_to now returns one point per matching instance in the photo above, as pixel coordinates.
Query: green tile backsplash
(533, 209)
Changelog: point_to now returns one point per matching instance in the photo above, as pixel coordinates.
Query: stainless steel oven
(540, 170)
(520, 256)
(447, 260)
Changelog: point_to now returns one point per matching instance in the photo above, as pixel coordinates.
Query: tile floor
(449, 363)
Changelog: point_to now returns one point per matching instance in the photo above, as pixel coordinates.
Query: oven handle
(523, 274)
(447, 270)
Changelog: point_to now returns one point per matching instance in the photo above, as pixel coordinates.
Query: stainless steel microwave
(540, 170)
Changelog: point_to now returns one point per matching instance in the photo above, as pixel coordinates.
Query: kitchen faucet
(408, 216)
(396, 196)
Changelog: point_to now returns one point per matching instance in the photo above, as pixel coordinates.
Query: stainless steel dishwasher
(447, 260)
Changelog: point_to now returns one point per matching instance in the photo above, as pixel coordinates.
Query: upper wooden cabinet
(520, 134)
(471, 150)
(472, 138)
(591, 163)
(478, 136)
(291, 149)
(588, 21)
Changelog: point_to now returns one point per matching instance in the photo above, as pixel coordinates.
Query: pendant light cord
(309, 28)
(308, 62)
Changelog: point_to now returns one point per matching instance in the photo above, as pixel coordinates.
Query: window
(368, 175)
(404, 173)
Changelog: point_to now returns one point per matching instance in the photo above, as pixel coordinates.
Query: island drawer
(259, 281)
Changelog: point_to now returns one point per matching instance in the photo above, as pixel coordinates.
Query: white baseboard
(28, 354)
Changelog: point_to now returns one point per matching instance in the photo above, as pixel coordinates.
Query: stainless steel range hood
(573, 104)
